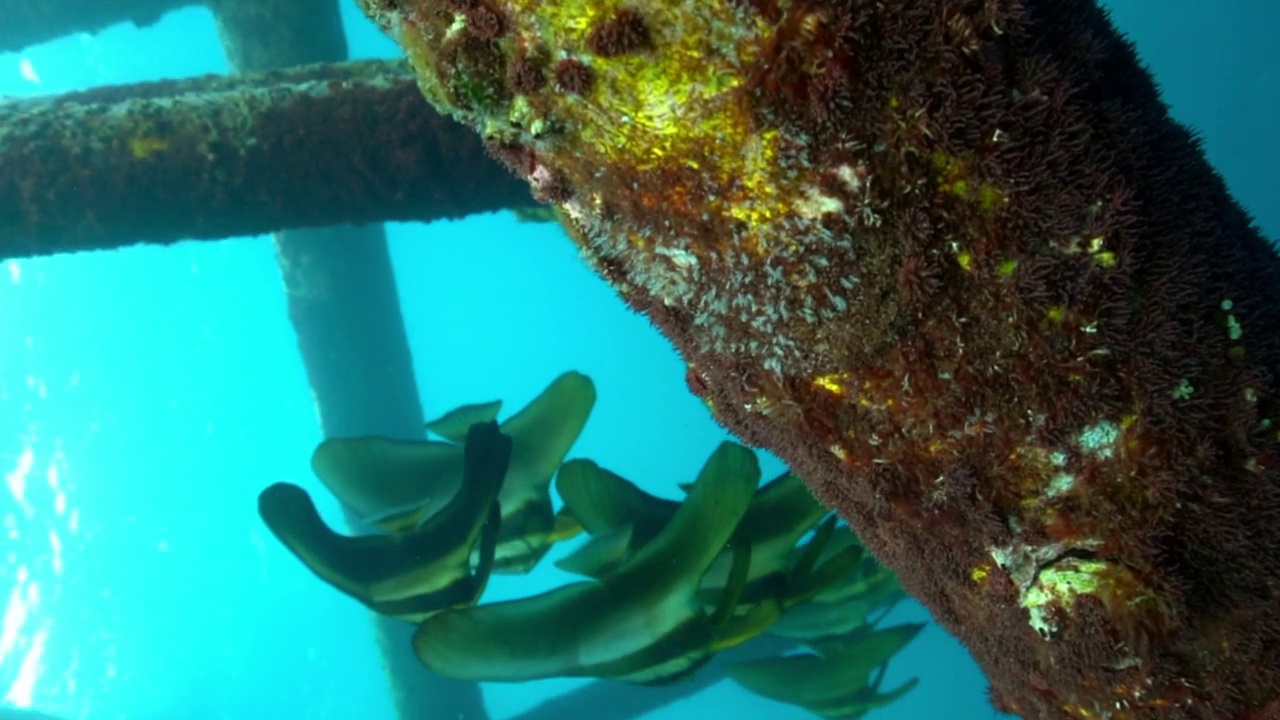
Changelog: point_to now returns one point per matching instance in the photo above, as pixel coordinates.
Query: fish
(840, 681)
(453, 425)
(610, 509)
(842, 538)
(621, 519)
(864, 597)
(413, 574)
(602, 554)
(781, 513)
(642, 624)
(394, 484)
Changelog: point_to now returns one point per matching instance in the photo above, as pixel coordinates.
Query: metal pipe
(216, 157)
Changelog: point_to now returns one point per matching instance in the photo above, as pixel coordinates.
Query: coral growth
(953, 261)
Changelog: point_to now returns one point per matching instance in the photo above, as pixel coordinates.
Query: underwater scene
(474, 462)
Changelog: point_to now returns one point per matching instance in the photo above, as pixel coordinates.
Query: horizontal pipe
(216, 157)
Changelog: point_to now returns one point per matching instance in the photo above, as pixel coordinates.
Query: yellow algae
(679, 103)
(144, 146)
(990, 198)
(831, 383)
(980, 573)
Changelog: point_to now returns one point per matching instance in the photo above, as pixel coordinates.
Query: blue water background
(147, 395)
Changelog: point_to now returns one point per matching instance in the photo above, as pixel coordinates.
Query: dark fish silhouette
(412, 574)
(644, 623)
(396, 483)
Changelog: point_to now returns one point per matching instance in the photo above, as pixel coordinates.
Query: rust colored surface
(219, 157)
(953, 261)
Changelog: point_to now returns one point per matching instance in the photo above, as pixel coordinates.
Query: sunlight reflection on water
(38, 518)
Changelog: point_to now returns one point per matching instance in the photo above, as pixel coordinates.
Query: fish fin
(401, 523)
(805, 680)
(828, 682)
(528, 534)
(867, 647)
(463, 591)
(812, 550)
(803, 588)
(453, 425)
(788, 489)
(350, 564)
(360, 567)
(545, 429)
(525, 537)
(684, 674)
(819, 620)
(669, 657)
(859, 704)
(488, 550)
(704, 522)
(566, 526)
(877, 614)
(527, 639)
(816, 620)
(486, 456)
(380, 479)
(751, 624)
(782, 511)
(869, 580)
(599, 555)
(603, 501)
(760, 586)
(672, 672)
(735, 584)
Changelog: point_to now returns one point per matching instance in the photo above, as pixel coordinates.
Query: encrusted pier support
(954, 262)
(216, 157)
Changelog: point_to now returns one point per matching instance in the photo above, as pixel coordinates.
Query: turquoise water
(148, 395)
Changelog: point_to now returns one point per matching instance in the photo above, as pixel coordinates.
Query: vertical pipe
(350, 332)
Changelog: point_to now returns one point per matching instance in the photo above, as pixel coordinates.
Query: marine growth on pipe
(954, 263)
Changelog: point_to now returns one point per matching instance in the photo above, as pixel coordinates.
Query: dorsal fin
(453, 425)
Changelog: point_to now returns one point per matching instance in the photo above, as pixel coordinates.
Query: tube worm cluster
(952, 261)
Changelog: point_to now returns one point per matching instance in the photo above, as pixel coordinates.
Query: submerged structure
(953, 262)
